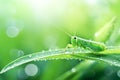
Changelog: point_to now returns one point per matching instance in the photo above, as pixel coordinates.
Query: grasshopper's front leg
(69, 46)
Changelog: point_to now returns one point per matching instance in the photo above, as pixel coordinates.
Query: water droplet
(114, 62)
(56, 49)
(21, 75)
(12, 31)
(34, 60)
(50, 50)
(43, 51)
(15, 53)
(66, 52)
(73, 70)
(31, 69)
(20, 53)
(30, 55)
(79, 59)
(37, 59)
(118, 73)
(67, 59)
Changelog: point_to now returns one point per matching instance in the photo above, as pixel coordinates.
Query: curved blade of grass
(82, 67)
(44, 55)
(111, 56)
(107, 30)
(79, 70)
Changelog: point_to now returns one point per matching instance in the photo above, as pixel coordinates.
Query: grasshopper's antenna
(63, 31)
(68, 34)
(75, 34)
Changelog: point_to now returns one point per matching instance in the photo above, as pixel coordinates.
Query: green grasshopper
(93, 45)
(87, 44)
(84, 43)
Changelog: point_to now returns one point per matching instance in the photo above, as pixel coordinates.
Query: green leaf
(110, 56)
(105, 32)
(79, 69)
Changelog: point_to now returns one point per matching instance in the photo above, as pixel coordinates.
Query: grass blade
(110, 56)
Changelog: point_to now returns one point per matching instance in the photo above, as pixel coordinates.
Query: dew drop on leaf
(30, 55)
(73, 70)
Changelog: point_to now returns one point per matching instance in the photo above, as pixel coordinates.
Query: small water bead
(34, 60)
(30, 55)
(50, 50)
(31, 69)
(44, 60)
(66, 52)
(80, 59)
(57, 58)
(118, 73)
(12, 31)
(73, 70)
(43, 51)
(38, 59)
(68, 59)
(115, 62)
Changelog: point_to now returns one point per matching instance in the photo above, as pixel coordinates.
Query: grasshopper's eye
(75, 37)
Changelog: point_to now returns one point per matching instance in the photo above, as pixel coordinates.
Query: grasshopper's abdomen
(91, 45)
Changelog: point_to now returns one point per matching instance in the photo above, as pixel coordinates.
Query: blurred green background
(28, 26)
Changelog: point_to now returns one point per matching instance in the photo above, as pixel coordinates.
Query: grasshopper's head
(74, 40)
